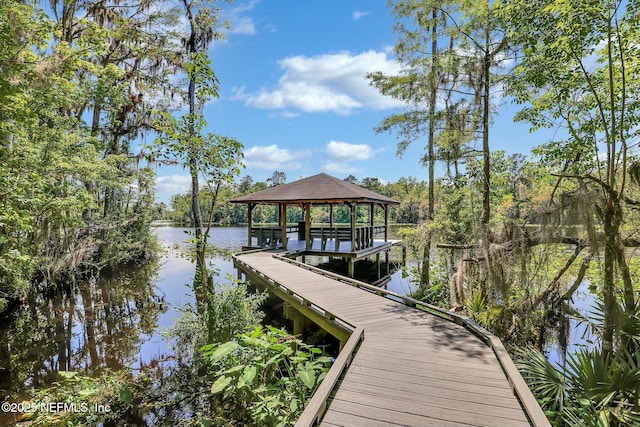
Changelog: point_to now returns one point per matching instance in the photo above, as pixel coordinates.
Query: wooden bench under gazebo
(352, 242)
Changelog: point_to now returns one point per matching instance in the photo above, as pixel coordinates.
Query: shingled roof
(318, 189)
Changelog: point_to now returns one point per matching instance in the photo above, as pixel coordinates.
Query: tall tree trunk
(426, 254)
(201, 277)
(608, 289)
(486, 155)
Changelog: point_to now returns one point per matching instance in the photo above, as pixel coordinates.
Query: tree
(216, 157)
(579, 70)
(277, 178)
(451, 52)
(51, 68)
(246, 183)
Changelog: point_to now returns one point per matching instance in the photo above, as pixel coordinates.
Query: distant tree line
(410, 192)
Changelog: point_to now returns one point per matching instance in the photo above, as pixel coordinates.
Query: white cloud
(243, 25)
(344, 151)
(341, 168)
(272, 157)
(167, 186)
(330, 82)
(359, 14)
(240, 23)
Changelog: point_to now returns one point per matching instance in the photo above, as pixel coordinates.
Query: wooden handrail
(316, 407)
(518, 385)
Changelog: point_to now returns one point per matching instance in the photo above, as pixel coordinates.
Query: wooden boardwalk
(413, 368)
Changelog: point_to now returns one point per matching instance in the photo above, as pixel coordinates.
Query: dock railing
(518, 385)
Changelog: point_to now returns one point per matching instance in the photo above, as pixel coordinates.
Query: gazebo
(353, 241)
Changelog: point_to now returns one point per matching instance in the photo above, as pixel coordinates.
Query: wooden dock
(417, 366)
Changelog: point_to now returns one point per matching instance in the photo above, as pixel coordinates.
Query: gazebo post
(351, 261)
(331, 215)
(307, 225)
(371, 211)
(250, 207)
(352, 219)
(283, 222)
(386, 221)
(371, 224)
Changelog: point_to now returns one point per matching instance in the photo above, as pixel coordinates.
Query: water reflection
(113, 321)
(572, 334)
(84, 326)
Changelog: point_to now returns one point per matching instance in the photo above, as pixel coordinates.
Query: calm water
(113, 321)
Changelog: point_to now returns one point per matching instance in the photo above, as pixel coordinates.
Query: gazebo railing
(271, 236)
(364, 236)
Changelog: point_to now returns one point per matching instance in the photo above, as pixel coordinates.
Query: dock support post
(378, 265)
(386, 260)
(351, 263)
(296, 317)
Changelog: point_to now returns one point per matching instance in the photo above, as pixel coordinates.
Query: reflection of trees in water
(87, 326)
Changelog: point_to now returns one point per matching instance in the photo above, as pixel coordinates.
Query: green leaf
(223, 350)
(67, 374)
(308, 376)
(126, 395)
(233, 369)
(249, 374)
(220, 384)
(584, 402)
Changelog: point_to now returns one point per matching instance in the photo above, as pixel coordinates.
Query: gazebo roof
(317, 189)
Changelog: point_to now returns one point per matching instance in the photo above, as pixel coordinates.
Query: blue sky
(293, 91)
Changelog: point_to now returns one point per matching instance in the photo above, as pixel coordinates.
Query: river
(115, 320)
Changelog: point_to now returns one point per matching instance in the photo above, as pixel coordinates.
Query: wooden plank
(340, 419)
(359, 373)
(427, 411)
(433, 388)
(449, 374)
(368, 412)
(365, 391)
(410, 355)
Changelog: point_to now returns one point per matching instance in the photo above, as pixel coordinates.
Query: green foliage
(437, 294)
(593, 389)
(230, 311)
(72, 194)
(15, 269)
(89, 401)
(478, 307)
(579, 69)
(264, 377)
